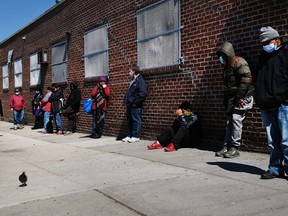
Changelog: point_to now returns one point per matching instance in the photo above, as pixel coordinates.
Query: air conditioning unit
(42, 57)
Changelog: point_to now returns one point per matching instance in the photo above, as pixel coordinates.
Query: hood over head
(227, 49)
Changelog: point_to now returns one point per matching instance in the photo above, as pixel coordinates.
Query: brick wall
(206, 24)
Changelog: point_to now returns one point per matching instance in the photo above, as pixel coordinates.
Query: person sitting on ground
(177, 135)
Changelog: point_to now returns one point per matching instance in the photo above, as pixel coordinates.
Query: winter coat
(74, 99)
(237, 76)
(105, 94)
(54, 99)
(271, 78)
(17, 102)
(136, 92)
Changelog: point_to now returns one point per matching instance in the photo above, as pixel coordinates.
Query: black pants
(72, 122)
(179, 136)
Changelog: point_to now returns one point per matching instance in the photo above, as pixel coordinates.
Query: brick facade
(206, 24)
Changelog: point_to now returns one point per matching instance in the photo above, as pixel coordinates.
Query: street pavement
(77, 175)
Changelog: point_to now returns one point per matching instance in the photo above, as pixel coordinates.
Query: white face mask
(270, 48)
(16, 93)
(131, 74)
(222, 60)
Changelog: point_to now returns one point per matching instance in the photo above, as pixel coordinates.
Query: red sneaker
(154, 145)
(59, 133)
(170, 148)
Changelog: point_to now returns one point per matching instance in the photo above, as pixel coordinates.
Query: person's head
(186, 107)
(225, 52)
(55, 86)
(74, 84)
(17, 91)
(50, 89)
(102, 80)
(37, 91)
(134, 71)
(270, 39)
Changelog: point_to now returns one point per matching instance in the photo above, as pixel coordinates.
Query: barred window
(5, 76)
(96, 52)
(18, 73)
(59, 62)
(35, 70)
(158, 34)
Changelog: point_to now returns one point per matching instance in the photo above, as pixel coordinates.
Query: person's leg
(166, 136)
(270, 122)
(130, 122)
(283, 125)
(181, 136)
(58, 119)
(15, 117)
(137, 121)
(46, 120)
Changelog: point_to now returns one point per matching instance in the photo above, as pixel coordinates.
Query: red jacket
(17, 102)
(106, 92)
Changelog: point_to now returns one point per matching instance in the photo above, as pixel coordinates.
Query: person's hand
(179, 112)
(11, 109)
(241, 103)
(104, 85)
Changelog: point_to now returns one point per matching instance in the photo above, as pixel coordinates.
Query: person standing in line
(72, 107)
(37, 112)
(17, 105)
(134, 99)
(46, 107)
(100, 94)
(56, 99)
(271, 85)
(238, 98)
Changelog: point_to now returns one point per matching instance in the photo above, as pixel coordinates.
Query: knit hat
(102, 79)
(16, 90)
(185, 105)
(268, 33)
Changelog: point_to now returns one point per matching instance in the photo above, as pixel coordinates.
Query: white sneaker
(126, 139)
(133, 140)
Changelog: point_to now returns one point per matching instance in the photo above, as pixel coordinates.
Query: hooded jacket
(271, 78)
(237, 75)
(74, 98)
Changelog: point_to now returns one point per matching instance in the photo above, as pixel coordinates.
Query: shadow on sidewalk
(236, 167)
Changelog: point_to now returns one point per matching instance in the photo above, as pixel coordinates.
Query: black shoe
(231, 153)
(269, 175)
(222, 151)
(95, 136)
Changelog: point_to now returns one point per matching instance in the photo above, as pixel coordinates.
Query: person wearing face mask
(134, 99)
(17, 105)
(271, 88)
(238, 97)
(100, 93)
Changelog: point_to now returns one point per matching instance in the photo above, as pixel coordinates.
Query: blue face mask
(269, 48)
(222, 60)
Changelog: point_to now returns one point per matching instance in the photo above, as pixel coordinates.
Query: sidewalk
(76, 175)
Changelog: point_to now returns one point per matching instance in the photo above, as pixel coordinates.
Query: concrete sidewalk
(76, 175)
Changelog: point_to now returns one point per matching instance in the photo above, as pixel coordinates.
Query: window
(59, 62)
(35, 70)
(96, 52)
(5, 76)
(18, 73)
(158, 34)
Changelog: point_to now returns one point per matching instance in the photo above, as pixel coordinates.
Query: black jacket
(54, 99)
(271, 78)
(74, 100)
(136, 92)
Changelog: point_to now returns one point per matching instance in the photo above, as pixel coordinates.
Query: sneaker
(155, 145)
(231, 153)
(269, 175)
(170, 148)
(133, 140)
(68, 133)
(222, 151)
(126, 139)
(59, 133)
(44, 132)
(21, 126)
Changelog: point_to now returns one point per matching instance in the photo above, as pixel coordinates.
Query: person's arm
(142, 92)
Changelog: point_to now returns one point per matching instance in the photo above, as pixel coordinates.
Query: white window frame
(5, 76)
(59, 65)
(96, 52)
(35, 70)
(154, 44)
(18, 73)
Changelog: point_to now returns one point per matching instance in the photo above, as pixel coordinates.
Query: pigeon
(23, 179)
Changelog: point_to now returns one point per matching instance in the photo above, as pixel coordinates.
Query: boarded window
(35, 69)
(158, 34)
(96, 52)
(59, 62)
(18, 73)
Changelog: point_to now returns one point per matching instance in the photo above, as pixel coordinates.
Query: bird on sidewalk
(23, 179)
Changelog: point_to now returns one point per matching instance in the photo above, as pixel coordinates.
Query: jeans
(134, 121)
(98, 122)
(58, 121)
(275, 122)
(18, 117)
(48, 122)
(235, 120)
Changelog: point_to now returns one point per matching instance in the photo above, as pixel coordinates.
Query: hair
(135, 68)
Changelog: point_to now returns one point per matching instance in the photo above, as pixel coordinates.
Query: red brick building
(172, 41)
